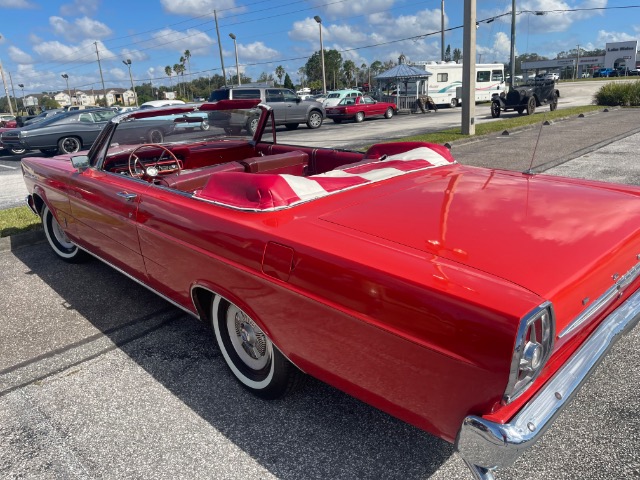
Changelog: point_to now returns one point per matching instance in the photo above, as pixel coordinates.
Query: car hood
(561, 239)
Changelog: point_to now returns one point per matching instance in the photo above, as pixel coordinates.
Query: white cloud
(83, 27)
(80, 7)
(338, 10)
(188, 7)
(16, 4)
(19, 56)
(133, 55)
(557, 21)
(499, 51)
(59, 52)
(256, 51)
(604, 37)
(196, 41)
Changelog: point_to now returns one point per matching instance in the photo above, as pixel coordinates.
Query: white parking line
(10, 168)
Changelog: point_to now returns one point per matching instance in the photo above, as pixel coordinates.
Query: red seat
(292, 163)
(191, 180)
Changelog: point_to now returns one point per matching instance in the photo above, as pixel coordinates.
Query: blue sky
(42, 39)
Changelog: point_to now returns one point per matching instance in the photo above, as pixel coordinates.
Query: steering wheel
(150, 171)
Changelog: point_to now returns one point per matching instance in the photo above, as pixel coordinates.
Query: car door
(275, 100)
(296, 110)
(105, 207)
(88, 127)
(370, 106)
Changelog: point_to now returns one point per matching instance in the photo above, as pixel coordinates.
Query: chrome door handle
(129, 197)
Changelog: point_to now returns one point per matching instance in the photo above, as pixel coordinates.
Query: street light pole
(577, 64)
(324, 78)
(127, 62)
(66, 77)
(235, 46)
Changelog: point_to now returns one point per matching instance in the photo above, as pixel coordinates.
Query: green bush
(625, 94)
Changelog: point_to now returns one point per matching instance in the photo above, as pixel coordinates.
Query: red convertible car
(472, 303)
(359, 108)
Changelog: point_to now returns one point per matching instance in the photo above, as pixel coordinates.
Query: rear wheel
(58, 240)
(554, 103)
(252, 126)
(204, 126)
(453, 103)
(315, 119)
(155, 135)
(254, 361)
(359, 117)
(69, 145)
(495, 109)
(531, 106)
(388, 113)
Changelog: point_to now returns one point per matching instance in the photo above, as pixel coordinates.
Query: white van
(445, 83)
(160, 103)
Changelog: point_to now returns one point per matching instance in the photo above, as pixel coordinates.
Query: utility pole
(575, 72)
(6, 90)
(13, 91)
(104, 92)
(513, 43)
(442, 30)
(469, 69)
(224, 74)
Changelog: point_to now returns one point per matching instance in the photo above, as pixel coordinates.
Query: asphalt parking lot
(101, 379)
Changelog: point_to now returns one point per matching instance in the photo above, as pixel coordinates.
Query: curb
(21, 240)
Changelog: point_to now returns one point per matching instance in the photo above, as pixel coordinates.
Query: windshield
(191, 127)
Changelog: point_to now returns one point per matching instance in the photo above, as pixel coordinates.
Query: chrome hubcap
(249, 341)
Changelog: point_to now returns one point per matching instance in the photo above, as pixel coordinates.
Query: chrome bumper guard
(487, 445)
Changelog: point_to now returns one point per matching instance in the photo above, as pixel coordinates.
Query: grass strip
(18, 220)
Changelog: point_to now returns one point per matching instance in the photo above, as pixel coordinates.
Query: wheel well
(38, 203)
(202, 300)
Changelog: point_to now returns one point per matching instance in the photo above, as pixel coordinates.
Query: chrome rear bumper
(490, 445)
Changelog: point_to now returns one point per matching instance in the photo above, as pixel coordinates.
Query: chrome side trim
(490, 445)
(603, 301)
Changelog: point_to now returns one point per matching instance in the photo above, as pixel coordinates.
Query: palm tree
(187, 56)
(168, 71)
(280, 73)
(176, 68)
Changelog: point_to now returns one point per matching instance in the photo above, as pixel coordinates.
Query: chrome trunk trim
(604, 301)
(489, 445)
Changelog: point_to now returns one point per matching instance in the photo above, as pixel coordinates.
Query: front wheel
(204, 126)
(252, 125)
(531, 106)
(17, 151)
(254, 361)
(58, 240)
(69, 145)
(495, 109)
(388, 113)
(554, 103)
(155, 135)
(315, 119)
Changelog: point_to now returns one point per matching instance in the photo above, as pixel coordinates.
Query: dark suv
(288, 108)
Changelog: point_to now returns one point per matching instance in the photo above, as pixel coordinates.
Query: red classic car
(472, 303)
(359, 108)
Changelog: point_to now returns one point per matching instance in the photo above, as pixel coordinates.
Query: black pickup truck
(527, 96)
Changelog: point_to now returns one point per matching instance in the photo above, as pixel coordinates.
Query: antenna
(530, 171)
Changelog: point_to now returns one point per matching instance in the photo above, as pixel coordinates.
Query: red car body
(469, 302)
(359, 108)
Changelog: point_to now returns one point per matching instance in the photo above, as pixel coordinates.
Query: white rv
(445, 85)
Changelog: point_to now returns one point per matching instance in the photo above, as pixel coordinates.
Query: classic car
(359, 108)
(70, 132)
(472, 303)
(11, 150)
(529, 96)
(335, 96)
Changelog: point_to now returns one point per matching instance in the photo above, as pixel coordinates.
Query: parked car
(472, 303)
(526, 97)
(551, 76)
(11, 150)
(69, 132)
(604, 72)
(288, 108)
(160, 103)
(42, 116)
(5, 117)
(359, 108)
(334, 97)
